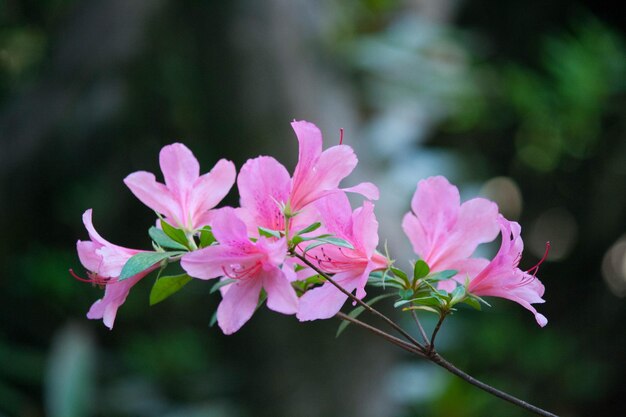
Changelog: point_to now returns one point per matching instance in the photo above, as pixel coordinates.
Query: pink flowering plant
(296, 245)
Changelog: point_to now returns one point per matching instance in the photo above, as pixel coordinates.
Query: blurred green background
(522, 102)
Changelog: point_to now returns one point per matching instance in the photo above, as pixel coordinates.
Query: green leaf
(166, 286)
(472, 302)
(420, 270)
(329, 240)
(442, 275)
(357, 311)
(423, 308)
(310, 228)
(174, 233)
(163, 240)
(400, 273)
(206, 237)
(220, 284)
(457, 295)
(142, 261)
(213, 319)
(406, 294)
(268, 232)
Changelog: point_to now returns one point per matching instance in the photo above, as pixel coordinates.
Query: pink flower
(502, 277)
(254, 265)
(351, 267)
(105, 261)
(186, 197)
(266, 188)
(444, 232)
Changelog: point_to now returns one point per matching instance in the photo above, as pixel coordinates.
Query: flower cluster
(292, 233)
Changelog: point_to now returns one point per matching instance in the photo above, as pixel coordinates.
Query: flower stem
(436, 358)
(360, 302)
(420, 327)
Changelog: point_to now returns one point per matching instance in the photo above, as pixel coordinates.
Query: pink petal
(180, 168)
(213, 261)
(210, 189)
(334, 164)
(154, 195)
(264, 183)
(366, 189)
(96, 238)
(114, 296)
(365, 228)
(477, 223)
(281, 296)
(414, 230)
(310, 148)
(436, 205)
(229, 229)
(326, 301)
(238, 304)
(87, 254)
(336, 214)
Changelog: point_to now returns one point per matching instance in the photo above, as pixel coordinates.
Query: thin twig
(360, 302)
(398, 342)
(440, 361)
(419, 326)
(431, 345)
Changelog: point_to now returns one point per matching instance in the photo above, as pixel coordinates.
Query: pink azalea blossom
(445, 233)
(502, 277)
(186, 198)
(253, 266)
(351, 267)
(104, 262)
(266, 188)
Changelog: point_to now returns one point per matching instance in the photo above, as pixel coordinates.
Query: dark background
(520, 101)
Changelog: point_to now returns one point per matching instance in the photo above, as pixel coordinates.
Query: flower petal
(229, 229)
(87, 254)
(114, 296)
(365, 228)
(238, 304)
(366, 189)
(326, 301)
(213, 261)
(180, 168)
(310, 147)
(263, 183)
(210, 189)
(281, 296)
(154, 195)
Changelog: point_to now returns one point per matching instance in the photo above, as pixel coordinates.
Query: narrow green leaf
(296, 240)
(309, 228)
(220, 284)
(166, 286)
(213, 319)
(420, 270)
(457, 295)
(163, 240)
(423, 308)
(174, 233)
(268, 232)
(440, 276)
(472, 302)
(400, 273)
(405, 294)
(357, 311)
(206, 237)
(142, 261)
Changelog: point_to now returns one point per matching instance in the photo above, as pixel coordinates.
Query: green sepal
(163, 240)
(142, 261)
(166, 286)
(357, 311)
